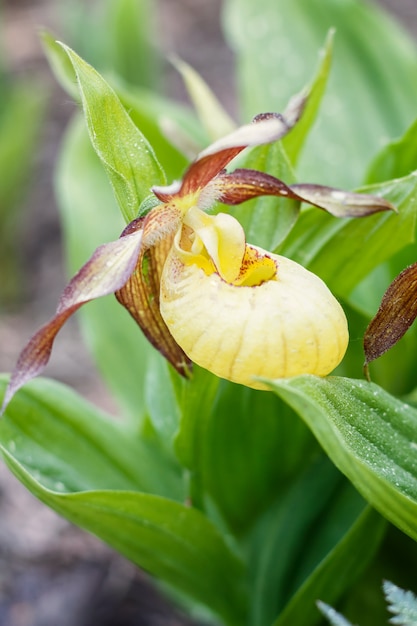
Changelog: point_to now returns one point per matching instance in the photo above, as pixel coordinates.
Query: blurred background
(51, 573)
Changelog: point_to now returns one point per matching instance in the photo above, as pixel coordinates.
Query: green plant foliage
(21, 111)
(60, 64)
(368, 434)
(294, 142)
(267, 221)
(131, 53)
(372, 88)
(93, 471)
(128, 158)
(148, 110)
(397, 159)
(337, 570)
(302, 543)
(235, 447)
(152, 114)
(214, 119)
(71, 446)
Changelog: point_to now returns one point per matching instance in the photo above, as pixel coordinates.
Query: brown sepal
(244, 184)
(397, 312)
(106, 271)
(341, 203)
(140, 296)
(264, 128)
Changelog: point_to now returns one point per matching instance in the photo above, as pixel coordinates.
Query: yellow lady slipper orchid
(248, 315)
(199, 291)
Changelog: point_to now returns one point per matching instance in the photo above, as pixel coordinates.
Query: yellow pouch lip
(282, 328)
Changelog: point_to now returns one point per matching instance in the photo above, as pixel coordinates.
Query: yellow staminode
(248, 314)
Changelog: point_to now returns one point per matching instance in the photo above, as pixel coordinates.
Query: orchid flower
(199, 292)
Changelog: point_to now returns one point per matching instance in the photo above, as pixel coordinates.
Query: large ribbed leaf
(369, 435)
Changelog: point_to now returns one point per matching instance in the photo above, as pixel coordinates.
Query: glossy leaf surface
(368, 434)
(149, 111)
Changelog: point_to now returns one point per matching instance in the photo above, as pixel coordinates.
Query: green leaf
(128, 158)
(90, 470)
(368, 434)
(280, 537)
(371, 92)
(196, 398)
(213, 116)
(395, 160)
(175, 543)
(313, 542)
(294, 142)
(69, 445)
(234, 440)
(333, 576)
(160, 397)
(90, 217)
(267, 220)
(149, 111)
(343, 251)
